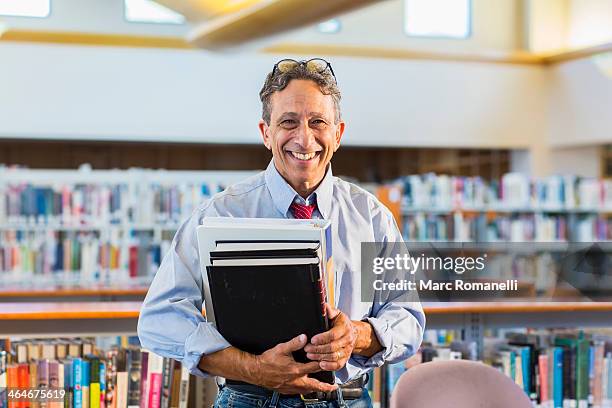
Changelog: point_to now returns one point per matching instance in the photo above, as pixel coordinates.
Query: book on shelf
(511, 191)
(58, 203)
(70, 258)
(282, 276)
(101, 379)
(555, 369)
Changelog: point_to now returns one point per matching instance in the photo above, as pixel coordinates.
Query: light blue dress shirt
(171, 323)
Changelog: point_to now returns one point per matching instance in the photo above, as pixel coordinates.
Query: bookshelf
(120, 318)
(93, 232)
(496, 210)
(58, 319)
(514, 208)
(74, 318)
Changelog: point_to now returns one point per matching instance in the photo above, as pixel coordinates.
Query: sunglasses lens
(316, 65)
(286, 65)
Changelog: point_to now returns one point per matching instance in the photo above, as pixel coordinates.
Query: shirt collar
(283, 194)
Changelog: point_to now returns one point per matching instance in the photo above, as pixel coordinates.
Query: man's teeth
(303, 156)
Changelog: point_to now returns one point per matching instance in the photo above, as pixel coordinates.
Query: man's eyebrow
(286, 115)
(318, 114)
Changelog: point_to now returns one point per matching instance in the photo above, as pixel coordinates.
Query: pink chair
(457, 384)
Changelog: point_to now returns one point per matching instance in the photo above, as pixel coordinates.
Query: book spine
(166, 378)
(543, 374)
(121, 390)
(85, 401)
(3, 381)
(175, 384)
(582, 372)
(77, 376)
(94, 383)
(184, 390)
(102, 384)
(155, 382)
(23, 382)
(144, 378)
(558, 382)
(134, 375)
(43, 379)
(68, 384)
(33, 373)
(12, 381)
(155, 390)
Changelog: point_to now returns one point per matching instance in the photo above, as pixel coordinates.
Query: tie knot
(302, 211)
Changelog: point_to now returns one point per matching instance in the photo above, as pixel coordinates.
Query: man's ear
(263, 129)
(339, 133)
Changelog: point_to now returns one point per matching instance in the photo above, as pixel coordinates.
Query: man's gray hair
(277, 81)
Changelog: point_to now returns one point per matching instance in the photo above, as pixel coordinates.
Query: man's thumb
(295, 344)
(332, 312)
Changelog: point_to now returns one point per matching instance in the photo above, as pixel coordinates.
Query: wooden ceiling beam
(267, 18)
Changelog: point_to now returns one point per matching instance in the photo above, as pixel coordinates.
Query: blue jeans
(229, 398)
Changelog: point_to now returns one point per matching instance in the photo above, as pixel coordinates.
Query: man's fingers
(327, 348)
(332, 312)
(333, 356)
(332, 334)
(332, 365)
(308, 368)
(316, 385)
(295, 344)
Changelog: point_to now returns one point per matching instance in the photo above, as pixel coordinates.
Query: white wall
(142, 94)
(581, 161)
(580, 101)
(546, 24)
(590, 22)
(494, 27)
(92, 16)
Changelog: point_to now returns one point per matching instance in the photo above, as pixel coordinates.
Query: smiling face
(302, 134)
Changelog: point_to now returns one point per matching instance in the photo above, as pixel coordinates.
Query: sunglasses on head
(318, 65)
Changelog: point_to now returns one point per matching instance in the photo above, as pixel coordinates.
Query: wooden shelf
(66, 310)
(515, 307)
(94, 318)
(65, 292)
(58, 319)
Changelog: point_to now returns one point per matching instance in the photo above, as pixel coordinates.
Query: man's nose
(304, 135)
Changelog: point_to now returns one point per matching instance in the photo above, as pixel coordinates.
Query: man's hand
(277, 370)
(334, 347)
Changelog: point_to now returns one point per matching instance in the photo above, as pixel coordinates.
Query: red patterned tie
(301, 211)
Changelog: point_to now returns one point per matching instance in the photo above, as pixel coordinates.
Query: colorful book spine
(94, 382)
(3, 382)
(77, 378)
(558, 377)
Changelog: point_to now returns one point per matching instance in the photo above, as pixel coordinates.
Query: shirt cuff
(205, 339)
(385, 338)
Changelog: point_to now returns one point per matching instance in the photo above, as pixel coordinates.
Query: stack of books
(266, 281)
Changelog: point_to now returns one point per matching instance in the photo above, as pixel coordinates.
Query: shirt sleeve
(171, 322)
(398, 320)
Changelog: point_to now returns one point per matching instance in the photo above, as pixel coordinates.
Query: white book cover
(184, 390)
(265, 261)
(264, 246)
(122, 390)
(214, 229)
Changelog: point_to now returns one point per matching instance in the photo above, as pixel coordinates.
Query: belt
(351, 390)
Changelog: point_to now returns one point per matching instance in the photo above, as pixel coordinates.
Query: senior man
(302, 126)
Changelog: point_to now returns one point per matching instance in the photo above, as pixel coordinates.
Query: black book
(263, 254)
(259, 302)
(134, 376)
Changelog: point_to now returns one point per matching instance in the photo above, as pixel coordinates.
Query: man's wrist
(367, 343)
(252, 368)
(231, 363)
